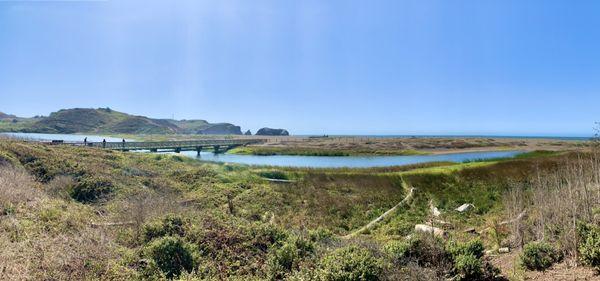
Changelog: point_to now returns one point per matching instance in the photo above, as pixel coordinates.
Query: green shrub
(90, 189)
(278, 175)
(397, 250)
(425, 250)
(282, 260)
(473, 247)
(589, 245)
(170, 225)
(286, 258)
(468, 267)
(320, 234)
(350, 263)
(171, 255)
(539, 256)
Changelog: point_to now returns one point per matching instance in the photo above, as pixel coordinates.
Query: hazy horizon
(312, 67)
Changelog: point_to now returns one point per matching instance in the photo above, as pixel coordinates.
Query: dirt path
(384, 215)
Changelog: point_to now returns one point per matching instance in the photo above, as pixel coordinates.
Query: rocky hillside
(106, 120)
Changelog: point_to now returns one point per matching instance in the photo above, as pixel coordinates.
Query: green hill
(106, 120)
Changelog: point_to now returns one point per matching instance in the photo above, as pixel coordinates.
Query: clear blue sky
(337, 67)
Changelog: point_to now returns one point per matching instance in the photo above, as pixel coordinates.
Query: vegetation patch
(589, 247)
(91, 189)
(350, 263)
(539, 256)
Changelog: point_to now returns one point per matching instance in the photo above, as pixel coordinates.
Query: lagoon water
(293, 160)
(346, 161)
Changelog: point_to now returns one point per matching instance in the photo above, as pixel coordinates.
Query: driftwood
(518, 218)
(93, 224)
(278, 180)
(404, 201)
(428, 229)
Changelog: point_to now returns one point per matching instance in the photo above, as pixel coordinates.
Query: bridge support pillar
(198, 150)
(177, 150)
(217, 147)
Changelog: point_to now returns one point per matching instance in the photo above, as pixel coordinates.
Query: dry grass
(555, 201)
(17, 186)
(43, 238)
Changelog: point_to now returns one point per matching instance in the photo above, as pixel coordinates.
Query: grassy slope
(148, 186)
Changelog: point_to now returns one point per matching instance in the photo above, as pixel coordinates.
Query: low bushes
(350, 263)
(468, 267)
(464, 260)
(91, 189)
(171, 255)
(473, 247)
(168, 226)
(423, 249)
(539, 256)
(589, 245)
(286, 258)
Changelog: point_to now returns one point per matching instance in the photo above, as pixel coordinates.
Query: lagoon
(296, 160)
(347, 161)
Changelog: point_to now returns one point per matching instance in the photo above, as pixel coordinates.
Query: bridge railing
(171, 144)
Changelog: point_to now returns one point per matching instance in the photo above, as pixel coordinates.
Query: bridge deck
(177, 145)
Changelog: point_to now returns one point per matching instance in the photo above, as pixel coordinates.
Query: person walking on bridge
(85, 141)
(104, 143)
(123, 143)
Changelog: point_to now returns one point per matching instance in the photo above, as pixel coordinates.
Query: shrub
(90, 189)
(282, 261)
(468, 267)
(473, 247)
(589, 245)
(171, 255)
(397, 250)
(539, 256)
(170, 225)
(278, 175)
(286, 258)
(319, 234)
(350, 263)
(425, 250)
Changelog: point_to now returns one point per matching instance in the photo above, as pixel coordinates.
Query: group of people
(85, 142)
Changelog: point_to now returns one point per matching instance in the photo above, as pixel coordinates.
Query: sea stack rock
(272, 132)
(248, 133)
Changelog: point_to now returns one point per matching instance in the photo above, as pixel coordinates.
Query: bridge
(218, 145)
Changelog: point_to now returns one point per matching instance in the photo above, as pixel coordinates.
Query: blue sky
(337, 67)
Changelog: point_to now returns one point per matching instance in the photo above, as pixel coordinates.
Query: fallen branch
(93, 224)
(278, 180)
(380, 218)
(518, 218)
